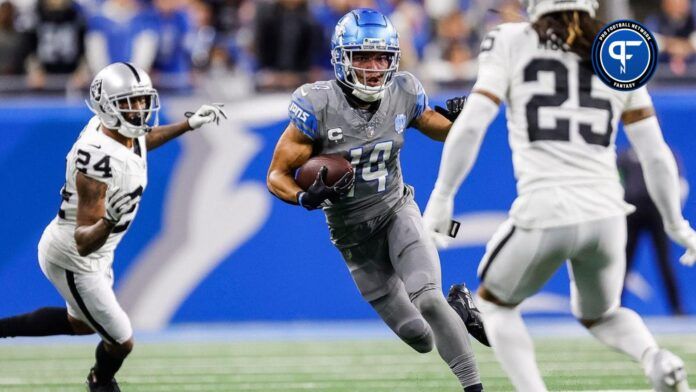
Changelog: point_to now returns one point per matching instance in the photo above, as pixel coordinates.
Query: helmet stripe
(132, 68)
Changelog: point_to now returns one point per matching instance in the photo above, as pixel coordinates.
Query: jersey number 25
(561, 132)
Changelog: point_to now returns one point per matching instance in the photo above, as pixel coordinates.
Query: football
(337, 167)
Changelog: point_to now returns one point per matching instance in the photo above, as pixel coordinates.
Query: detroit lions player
(562, 121)
(106, 174)
(372, 218)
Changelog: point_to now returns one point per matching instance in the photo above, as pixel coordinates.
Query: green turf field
(577, 364)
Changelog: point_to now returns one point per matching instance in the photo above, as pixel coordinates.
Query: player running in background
(561, 121)
(105, 177)
(375, 223)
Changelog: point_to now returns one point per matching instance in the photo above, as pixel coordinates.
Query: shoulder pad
(504, 34)
(317, 93)
(307, 102)
(408, 82)
(512, 30)
(93, 159)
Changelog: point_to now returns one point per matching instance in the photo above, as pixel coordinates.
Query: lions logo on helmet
(538, 8)
(123, 98)
(364, 30)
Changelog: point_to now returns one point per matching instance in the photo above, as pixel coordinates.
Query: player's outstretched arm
(661, 176)
(437, 123)
(292, 151)
(433, 125)
(92, 230)
(204, 115)
(458, 156)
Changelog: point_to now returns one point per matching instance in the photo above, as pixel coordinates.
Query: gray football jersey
(370, 143)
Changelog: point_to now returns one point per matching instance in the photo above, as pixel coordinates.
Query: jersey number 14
(375, 169)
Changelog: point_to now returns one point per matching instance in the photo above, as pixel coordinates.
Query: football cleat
(460, 299)
(93, 386)
(665, 371)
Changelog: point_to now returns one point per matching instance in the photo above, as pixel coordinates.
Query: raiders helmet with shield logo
(123, 98)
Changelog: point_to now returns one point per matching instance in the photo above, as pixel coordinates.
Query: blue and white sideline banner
(211, 244)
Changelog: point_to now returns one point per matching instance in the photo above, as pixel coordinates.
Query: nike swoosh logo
(303, 92)
(95, 146)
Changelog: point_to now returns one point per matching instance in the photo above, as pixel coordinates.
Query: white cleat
(665, 371)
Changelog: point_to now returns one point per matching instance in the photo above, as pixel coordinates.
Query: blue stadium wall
(210, 244)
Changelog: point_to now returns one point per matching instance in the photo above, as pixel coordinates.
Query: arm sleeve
(302, 115)
(659, 168)
(494, 69)
(463, 143)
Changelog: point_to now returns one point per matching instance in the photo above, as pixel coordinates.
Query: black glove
(319, 195)
(454, 107)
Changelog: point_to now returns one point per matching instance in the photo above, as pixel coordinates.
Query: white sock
(624, 330)
(512, 345)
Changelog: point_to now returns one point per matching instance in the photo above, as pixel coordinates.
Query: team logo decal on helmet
(624, 55)
(95, 89)
(364, 30)
(123, 98)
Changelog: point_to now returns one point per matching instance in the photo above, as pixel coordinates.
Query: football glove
(320, 195)
(437, 219)
(684, 235)
(206, 114)
(454, 107)
(119, 204)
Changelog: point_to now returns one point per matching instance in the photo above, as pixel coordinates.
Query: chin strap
(133, 132)
(371, 97)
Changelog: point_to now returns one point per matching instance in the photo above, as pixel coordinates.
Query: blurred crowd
(243, 46)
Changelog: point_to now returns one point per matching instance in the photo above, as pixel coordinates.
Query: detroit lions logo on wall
(624, 55)
(400, 123)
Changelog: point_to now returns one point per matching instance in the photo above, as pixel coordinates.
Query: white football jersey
(562, 122)
(102, 158)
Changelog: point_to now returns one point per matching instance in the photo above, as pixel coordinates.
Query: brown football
(336, 165)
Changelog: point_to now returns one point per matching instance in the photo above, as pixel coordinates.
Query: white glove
(206, 114)
(684, 235)
(119, 204)
(437, 219)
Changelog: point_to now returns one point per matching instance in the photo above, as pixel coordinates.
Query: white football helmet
(537, 8)
(123, 97)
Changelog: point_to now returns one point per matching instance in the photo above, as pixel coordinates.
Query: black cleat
(93, 386)
(459, 298)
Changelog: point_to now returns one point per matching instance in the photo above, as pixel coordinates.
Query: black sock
(474, 388)
(41, 322)
(107, 365)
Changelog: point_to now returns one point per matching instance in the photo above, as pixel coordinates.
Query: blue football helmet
(364, 30)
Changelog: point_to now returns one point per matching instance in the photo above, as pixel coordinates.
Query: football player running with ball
(372, 217)
(561, 121)
(105, 177)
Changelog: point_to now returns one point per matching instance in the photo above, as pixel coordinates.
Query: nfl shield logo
(400, 123)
